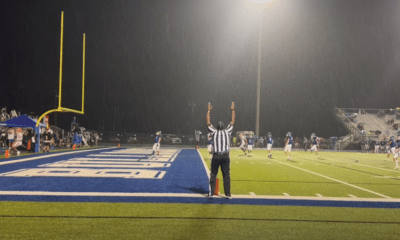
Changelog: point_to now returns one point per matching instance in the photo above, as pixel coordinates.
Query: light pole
(259, 5)
(258, 81)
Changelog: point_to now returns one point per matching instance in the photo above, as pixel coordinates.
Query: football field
(128, 194)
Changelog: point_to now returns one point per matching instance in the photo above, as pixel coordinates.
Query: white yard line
(252, 194)
(192, 195)
(286, 194)
(359, 164)
(50, 155)
(205, 165)
(352, 196)
(319, 195)
(333, 179)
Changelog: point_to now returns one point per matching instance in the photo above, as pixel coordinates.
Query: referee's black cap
(220, 126)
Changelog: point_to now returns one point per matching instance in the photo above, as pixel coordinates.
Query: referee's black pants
(225, 163)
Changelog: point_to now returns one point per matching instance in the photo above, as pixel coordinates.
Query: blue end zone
(185, 175)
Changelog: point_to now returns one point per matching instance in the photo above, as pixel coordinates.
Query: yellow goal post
(60, 108)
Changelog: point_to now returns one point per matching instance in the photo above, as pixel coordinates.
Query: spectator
(47, 138)
(10, 136)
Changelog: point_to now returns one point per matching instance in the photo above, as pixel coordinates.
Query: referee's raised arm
(210, 127)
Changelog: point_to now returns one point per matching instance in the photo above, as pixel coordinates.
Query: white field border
(205, 165)
(193, 195)
(50, 155)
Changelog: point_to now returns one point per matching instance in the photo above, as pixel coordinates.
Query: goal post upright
(60, 108)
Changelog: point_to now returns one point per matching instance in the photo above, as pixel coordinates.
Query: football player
(250, 145)
(288, 144)
(269, 144)
(243, 143)
(18, 141)
(156, 146)
(396, 153)
(210, 143)
(392, 146)
(315, 143)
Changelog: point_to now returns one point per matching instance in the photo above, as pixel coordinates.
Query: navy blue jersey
(250, 141)
(270, 141)
(315, 141)
(398, 144)
(290, 140)
(392, 143)
(158, 138)
(210, 141)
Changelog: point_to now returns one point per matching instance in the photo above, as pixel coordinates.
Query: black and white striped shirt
(221, 139)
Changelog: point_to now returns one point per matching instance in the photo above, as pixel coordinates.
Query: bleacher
(374, 125)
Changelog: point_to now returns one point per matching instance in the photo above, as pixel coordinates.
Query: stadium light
(258, 6)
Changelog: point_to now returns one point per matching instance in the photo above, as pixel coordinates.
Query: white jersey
(11, 134)
(20, 136)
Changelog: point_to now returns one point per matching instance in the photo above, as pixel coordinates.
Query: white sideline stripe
(194, 195)
(319, 195)
(205, 165)
(118, 155)
(252, 194)
(352, 196)
(47, 156)
(333, 179)
(286, 194)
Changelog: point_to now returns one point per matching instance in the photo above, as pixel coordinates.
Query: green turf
(20, 220)
(257, 174)
(330, 174)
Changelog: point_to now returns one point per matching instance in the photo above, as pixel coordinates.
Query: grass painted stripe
(333, 179)
(200, 218)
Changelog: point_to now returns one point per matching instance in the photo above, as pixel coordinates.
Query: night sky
(148, 61)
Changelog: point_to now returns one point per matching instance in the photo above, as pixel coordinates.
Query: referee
(220, 151)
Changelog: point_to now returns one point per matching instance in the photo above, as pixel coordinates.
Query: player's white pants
(84, 142)
(242, 146)
(250, 147)
(396, 155)
(393, 150)
(17, 144)
(269, 146)
(156, 147)
(376, 148)
(288, 148)
(209, 148)
(314, 147)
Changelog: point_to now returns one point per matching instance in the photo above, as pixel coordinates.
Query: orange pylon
(216, 187)
(73, 147)
(7, 153)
